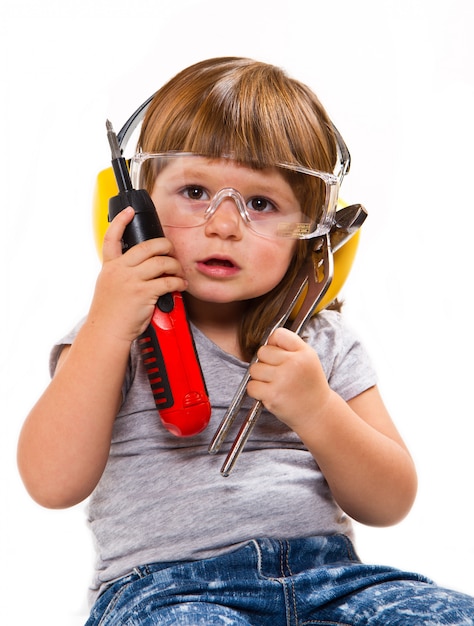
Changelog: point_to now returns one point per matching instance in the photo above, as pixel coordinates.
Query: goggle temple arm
(344, 155)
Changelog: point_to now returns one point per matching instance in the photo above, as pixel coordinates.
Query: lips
(218, 267)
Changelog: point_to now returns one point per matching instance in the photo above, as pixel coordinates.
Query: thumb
(285, 339)
(112, 246)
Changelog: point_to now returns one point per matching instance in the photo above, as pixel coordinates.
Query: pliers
(310, 285)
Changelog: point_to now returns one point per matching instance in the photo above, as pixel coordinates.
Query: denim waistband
(275, 558)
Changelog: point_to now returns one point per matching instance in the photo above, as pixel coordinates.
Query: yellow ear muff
(106, 188)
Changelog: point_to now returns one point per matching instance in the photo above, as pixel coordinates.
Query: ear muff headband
(106, 188)
(127, 129)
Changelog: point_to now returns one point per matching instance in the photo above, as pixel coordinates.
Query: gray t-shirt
(162, 498)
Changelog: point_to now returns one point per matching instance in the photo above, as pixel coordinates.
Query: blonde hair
(256, 113)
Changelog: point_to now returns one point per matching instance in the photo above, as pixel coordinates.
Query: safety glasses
(283, 200)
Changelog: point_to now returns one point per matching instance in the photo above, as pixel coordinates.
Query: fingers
(279, 348)
(285, 339)
(284, 350)
(151, 255)
(281, 342)
(112, 246)
(132, 282)
(287, 376)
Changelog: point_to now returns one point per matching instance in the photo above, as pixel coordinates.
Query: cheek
(183, 246)
(278, 260)
(286, 253)
(180, 240)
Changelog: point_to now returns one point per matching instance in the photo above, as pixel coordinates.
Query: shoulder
(345, 361)
(327, 326)
(329, 332)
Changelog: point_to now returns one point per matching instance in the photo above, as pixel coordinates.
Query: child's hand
(288, 378)
(129, 284)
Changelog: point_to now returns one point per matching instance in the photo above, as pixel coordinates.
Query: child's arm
(65, 441)
(355, 443)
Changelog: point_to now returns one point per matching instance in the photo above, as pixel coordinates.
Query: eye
(261, 204)
(195, 192)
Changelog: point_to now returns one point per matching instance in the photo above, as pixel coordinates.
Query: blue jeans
(267, 582)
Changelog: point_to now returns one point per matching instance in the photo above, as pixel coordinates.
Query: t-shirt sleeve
(60, 345)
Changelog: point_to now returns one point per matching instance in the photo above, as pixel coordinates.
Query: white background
(397, 79)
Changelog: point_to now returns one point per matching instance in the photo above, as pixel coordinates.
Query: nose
(225, 215)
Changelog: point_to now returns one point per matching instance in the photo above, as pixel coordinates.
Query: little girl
(243, 165)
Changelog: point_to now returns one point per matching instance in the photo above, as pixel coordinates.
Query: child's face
(223, 259)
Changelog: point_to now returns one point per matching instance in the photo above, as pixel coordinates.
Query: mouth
(218, 267)
(219, 263)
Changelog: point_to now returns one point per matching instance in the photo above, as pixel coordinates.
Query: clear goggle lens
(278, 201)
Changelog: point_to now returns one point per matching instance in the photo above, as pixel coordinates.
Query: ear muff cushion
(106, 188)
